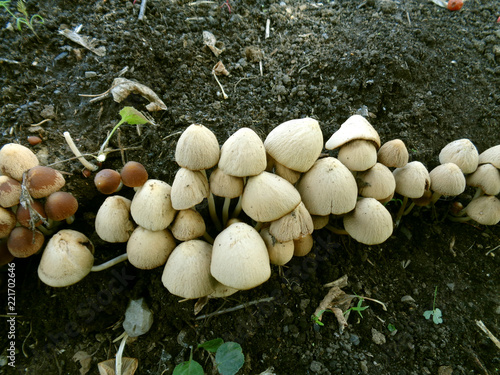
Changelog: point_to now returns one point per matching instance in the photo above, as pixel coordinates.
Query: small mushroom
(224, 185)
(42, 181)
(393, 154)
(24, 242)
(10, 191)
(23, 214)
(16, 159)
(461, 152)
(189, 189)
(61, 205)
(108, 181)
(280, 253)
(486, 178)
(112, 221)
(355, 127)
(448, 180)
(148, 249)
(133, 174)
(197, 148)
(188, 225)
(7, 222)
(358, 155)
(293, 225)
(377, 182)
(485, 210)
(303, 246)
(67, 258)
(491, 156)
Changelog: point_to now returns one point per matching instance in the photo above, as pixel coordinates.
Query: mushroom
(148, 249)
(243, 154)
(108, 367)
(393, 154)
(189, 189)
(319, 221)
(240, 258)
(187, 271)
(486, 179)
(280, 253)
(112, 222)
(5, 255)
(223, 185)
(358, 155)
(23, 214)
(42, 181)
(448, 180)
(295, 144)
(24, 242)
(15, 159)
(461, 152)
(369, 223)
(67, 258)
(133, 174)
(293, 225)
(108, 181)
(491, 156)
(61, 205)
(485, 210)
(10, 191)
(268, 197)
(377, 182)
(328, 188)
(7, 222)
(188, 225)
(303, 246)
(197, 148)
(151, 206)
(288, 174)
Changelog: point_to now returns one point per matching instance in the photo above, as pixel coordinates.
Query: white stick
(142, 10)
(109, 263)
(78, 154)
(268, 28)
(222, 88)
(119, 355)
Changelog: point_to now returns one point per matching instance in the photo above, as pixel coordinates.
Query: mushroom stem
(213, 212)
(101, 156)
(225, 211)
(479, 192)
(335, 230)
(78, 154)
(435, 197)
(237, 209)
(401, 211)
(258, 226)
(459, 219)
(208, 237)
(110, 263)
(119, 354)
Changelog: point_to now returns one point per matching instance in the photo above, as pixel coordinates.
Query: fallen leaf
(85, 360)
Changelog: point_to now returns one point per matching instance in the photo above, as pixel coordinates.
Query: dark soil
(424, 74)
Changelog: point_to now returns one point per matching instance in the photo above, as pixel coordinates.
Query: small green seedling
(358, 308)
(131, 116)
(316, 318)
(391, 327)
(25, 19)
(437, 316)
(229, 358)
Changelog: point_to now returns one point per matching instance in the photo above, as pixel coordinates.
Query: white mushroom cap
(148, 249)
(189, 188)
(188, 225)
(222, 291)
(288, 174)
(197, 148)
(240, 259)
(369, 223)
(280, 253)
(328, 188)
(377, 182)
(412, 180)
(355, 127)
(491, 155)
(268, 197)
(486, 177)
(447, 179)
(243, 154)
(296, 143)
(112, 222)
(485, 210)
(187, 271)
(151, 206)
(358, 155)
(224, 185)
(461, 152)
(319, 221)
(16, 159)
(303, 246)
(296, 224)
(67, 258)
(393, 154)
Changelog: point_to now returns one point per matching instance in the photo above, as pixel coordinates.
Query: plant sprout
(437, 316)
(25, 19)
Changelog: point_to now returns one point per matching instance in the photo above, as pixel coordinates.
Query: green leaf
(437, 318)
(132, 116)
(229, 358)
(391, 327)
(188, 368)
(212, 345)
(427, 314)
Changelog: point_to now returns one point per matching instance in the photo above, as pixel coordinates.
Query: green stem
(101, 155)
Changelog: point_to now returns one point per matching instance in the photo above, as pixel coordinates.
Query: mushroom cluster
(30, 202)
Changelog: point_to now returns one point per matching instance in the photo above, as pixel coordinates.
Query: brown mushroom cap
(134, 174)
(24, 217)
(296, 144)
(447, 179)
(369, 223)
(5, 255)
(148, 249)
(42, 181)
(60, 205)
(15, 160)
(355, 127)
(108, 181)
(461, 152)
(67, 258)
(21, 244)
(197, 148)
(393, 154)
(7, 222)
(10, 191)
